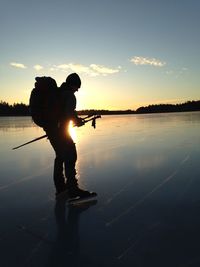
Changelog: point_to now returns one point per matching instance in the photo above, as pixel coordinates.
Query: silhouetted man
(60, 139)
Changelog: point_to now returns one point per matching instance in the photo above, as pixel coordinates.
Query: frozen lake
(145, 169)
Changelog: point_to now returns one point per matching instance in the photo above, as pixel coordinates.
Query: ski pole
(93, 120)
(86, 119)
(34, 140)
(88, 116)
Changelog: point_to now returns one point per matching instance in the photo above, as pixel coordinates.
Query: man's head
(73, 82)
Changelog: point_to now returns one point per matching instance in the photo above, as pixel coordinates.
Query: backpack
(44, 102)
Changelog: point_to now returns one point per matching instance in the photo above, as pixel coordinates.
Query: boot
(76, 192)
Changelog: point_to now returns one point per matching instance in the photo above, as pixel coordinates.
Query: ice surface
(145, 169)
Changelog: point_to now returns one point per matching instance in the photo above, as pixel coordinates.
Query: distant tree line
(188, 106)
(23, 109)
(14, 110)
(105, 112)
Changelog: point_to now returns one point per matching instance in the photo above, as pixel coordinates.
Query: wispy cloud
(91, 70)
(18, 65)
(38, 67)
(147, 61)
(74, 67)
(103, 70)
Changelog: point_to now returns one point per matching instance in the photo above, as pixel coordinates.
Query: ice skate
(79, 196)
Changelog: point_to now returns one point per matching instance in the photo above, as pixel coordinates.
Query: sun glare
(72, 131)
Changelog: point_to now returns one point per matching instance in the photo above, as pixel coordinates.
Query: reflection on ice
(66, 249)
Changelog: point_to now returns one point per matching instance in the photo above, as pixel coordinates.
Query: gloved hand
(79, 122)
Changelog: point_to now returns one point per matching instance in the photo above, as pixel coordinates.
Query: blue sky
(128, 53)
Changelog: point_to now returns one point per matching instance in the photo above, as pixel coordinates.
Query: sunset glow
(127, 55)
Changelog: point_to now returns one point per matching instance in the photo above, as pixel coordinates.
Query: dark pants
(66, 156)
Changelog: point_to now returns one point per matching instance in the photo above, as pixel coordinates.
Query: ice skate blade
(82, 200)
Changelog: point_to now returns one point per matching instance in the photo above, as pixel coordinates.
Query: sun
(72, 130)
